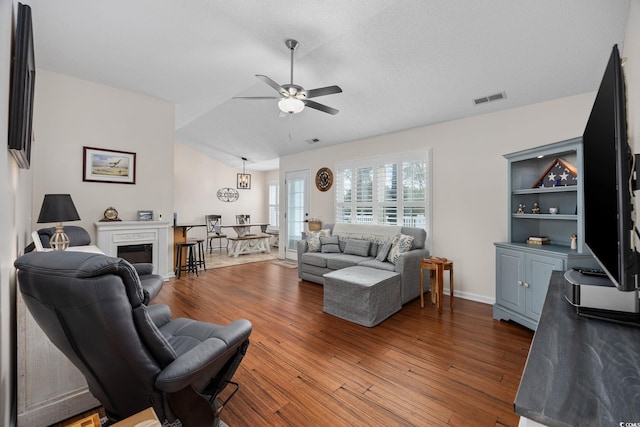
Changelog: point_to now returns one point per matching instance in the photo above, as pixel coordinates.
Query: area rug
(286, 263)
(221, 259)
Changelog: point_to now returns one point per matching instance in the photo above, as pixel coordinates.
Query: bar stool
(199, 251)
(439, 266)
(191, 266)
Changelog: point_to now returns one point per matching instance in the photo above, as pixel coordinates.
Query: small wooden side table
(439, 266)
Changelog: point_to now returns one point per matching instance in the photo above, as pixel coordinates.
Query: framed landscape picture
(102, 165)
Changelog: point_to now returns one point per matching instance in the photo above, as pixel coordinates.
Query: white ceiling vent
(312, 141)
(494, 97)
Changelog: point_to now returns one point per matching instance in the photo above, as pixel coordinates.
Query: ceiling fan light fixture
(290, 105)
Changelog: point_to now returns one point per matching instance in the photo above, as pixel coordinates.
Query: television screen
(23, 74)
(608, 181)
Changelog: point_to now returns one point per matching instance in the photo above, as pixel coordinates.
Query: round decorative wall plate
(324, 179)
(228, 194)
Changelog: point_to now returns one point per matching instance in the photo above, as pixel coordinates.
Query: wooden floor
(305, 367)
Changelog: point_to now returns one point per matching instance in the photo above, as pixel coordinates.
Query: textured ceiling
(401, 64)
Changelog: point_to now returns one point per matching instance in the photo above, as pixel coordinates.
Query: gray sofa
(313, 265)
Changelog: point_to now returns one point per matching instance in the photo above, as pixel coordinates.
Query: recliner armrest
(190, 367)
(160, 314)
(143, 268)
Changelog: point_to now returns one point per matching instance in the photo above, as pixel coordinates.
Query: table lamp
(58, 208)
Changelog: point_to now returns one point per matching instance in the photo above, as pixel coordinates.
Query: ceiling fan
(294, 98)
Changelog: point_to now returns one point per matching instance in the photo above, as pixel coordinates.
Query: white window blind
(385, 190)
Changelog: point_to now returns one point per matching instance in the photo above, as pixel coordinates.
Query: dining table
(247, 243)
(244, 229)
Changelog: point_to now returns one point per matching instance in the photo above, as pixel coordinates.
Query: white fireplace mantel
(110, 235)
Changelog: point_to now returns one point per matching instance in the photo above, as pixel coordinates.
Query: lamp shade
(58, 208)
(290, 105)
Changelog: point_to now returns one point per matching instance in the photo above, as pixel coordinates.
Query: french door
(296, 210)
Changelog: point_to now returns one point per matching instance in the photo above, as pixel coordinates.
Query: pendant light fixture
(244, 179)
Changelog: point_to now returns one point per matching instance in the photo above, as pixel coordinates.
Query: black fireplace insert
(136, 253)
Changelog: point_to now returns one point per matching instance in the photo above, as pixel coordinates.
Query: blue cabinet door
(510, 292)
(537, 274)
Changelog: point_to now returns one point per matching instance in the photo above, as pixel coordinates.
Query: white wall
(469, 177)
(631, 50)
(15, 196)
(71, 113)
(197, 179)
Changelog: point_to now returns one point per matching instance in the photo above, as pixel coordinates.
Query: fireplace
(137, 241)
(136, 253)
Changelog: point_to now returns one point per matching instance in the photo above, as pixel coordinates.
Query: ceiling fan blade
(323, 91)
(273, 84)
(256, 97)
(321, 107)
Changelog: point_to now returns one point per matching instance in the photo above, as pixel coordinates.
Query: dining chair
(245, 219)
(214, 231)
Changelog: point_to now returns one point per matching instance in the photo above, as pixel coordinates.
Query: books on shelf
(538, 240)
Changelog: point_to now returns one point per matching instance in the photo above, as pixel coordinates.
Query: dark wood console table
(580, 372)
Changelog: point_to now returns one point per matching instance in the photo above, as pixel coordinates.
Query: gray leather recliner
(78, 236)
(132, 355)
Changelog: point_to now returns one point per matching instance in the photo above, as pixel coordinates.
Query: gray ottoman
(362, 295)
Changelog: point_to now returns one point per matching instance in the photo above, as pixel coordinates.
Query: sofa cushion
(383, 251)
(313, 239)
(380, 265)
(339, 261)
(419, 236)
(329, 244)
(314, 258)
(373, 249)
(401, 243)
(357, 247)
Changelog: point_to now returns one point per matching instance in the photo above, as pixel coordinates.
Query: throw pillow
(329, 244)
(383, 251)
(313, 239)
(357, 247)
(401, 243)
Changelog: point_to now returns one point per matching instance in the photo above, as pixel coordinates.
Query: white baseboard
(472, 297)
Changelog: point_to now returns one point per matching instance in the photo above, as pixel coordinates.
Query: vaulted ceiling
(401, 64)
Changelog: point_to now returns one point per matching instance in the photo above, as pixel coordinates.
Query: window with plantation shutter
(392, 190)
(274, 199)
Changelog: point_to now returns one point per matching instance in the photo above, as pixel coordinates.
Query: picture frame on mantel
(103, 165)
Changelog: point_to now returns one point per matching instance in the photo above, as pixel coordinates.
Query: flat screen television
(23, 77)
(609, 181)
